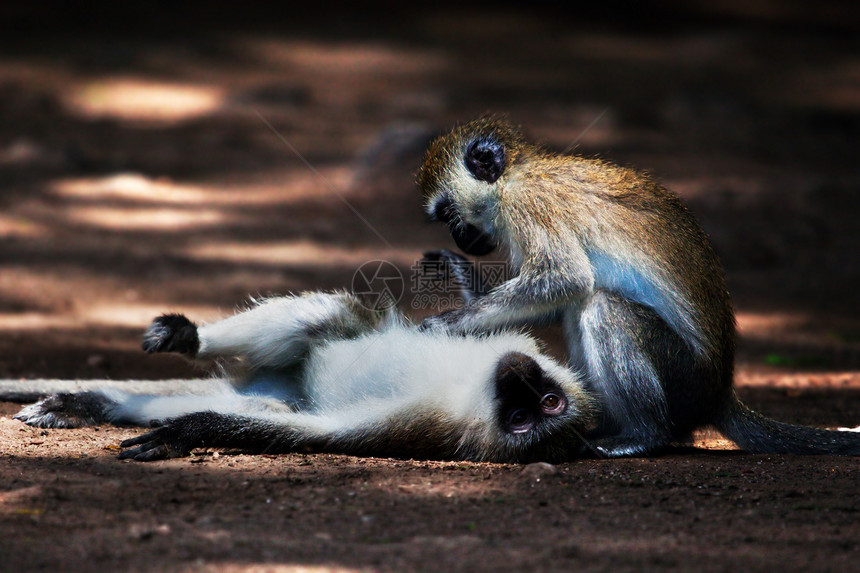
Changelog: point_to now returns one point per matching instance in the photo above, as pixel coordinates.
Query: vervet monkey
(627, 270)
(320, 372)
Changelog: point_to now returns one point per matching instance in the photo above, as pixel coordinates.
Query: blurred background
(151, 156)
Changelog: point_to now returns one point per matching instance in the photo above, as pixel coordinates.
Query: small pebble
(539, 470)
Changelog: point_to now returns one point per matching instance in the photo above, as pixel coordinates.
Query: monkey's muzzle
(472, 240)
(469, 238)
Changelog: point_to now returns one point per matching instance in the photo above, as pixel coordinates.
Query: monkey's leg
(68, 410)
(113, 406)
(638, 367)
(275, 333)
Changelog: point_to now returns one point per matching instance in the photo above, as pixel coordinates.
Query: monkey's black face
(526, 396)
(470, 239)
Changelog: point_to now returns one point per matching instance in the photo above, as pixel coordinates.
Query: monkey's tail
(758, 434)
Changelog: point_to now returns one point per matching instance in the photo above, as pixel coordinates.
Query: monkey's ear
(485, 159)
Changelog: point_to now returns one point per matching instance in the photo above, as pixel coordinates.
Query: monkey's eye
(552, 404)
(485, 159)
(520, 421)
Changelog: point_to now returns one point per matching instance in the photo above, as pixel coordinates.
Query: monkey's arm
(275, 333)
(368, 433)
(114, 406)
(537, 294)
(179, 436)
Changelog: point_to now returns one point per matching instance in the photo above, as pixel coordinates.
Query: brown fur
(568, 199)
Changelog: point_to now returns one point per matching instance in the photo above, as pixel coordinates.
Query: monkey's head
(541, 409)
(462, 175)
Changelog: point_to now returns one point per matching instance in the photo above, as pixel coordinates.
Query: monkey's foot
(175, 439)
(172, 333)
(66, 411)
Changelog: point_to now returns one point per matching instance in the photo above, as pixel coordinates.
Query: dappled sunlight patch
(798, 340)
(135, 99)
(137, 187)
(107, 313)
(12, 226)
(139, 315)
(131, 186)
(798, 380)
(297, 252)
(764, 325)
(353, 58)
(474, 488)
(154, 219)
(21, 501)
(710, 439)
(269, 567)
(17, 321)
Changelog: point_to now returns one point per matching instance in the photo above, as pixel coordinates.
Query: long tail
(25, 391)
(758, 434)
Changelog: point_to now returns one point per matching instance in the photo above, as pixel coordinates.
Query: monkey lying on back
(625, 268)
(322, 373)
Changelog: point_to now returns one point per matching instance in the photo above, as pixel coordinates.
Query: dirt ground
(149, 161)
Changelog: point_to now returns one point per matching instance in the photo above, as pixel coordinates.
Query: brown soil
(137, 177)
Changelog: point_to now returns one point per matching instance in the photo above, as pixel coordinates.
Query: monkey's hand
(442, 322)
(172, 333)
(444, 256)
(454, 270)
(175, 439)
